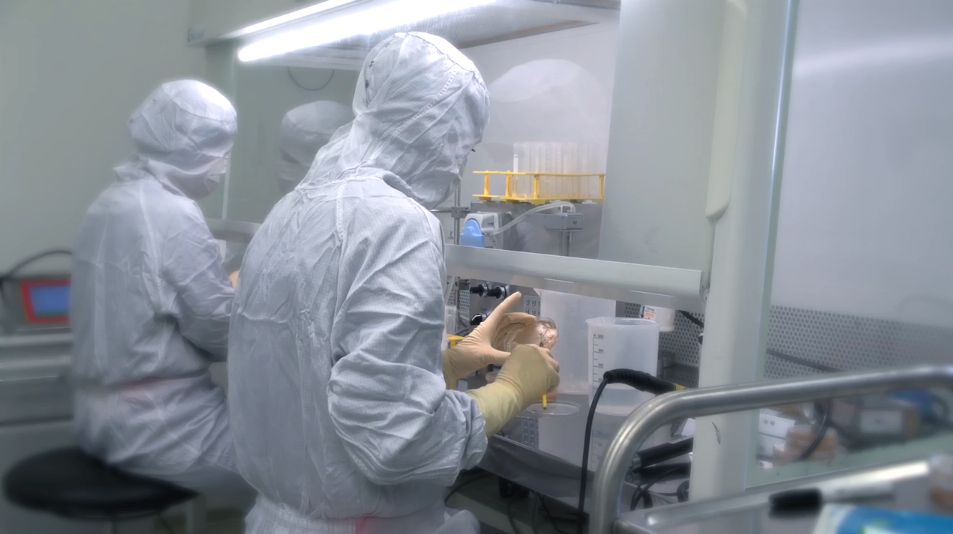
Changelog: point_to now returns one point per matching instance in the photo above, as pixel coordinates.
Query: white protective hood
(184, 132)
(304, 130)
(412, 126)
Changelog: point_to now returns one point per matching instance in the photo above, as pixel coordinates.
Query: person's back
(125, 329)
(338, 404)
(150, 302)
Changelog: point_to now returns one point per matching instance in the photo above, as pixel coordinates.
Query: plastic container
(570, 312)
(620, 343)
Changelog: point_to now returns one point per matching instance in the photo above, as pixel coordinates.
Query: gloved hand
(234, 278)
(484, 345)
(529, 373)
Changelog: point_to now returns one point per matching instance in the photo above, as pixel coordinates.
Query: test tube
(516, 161)
(529, 167)
(570, 154)
(544, 166)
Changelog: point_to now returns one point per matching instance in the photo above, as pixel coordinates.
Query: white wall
(71, 72)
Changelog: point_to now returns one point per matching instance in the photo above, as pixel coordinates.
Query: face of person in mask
(184, 132)
(456, 180)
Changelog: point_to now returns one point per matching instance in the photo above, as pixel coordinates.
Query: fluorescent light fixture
(290, 17)
(362, 20)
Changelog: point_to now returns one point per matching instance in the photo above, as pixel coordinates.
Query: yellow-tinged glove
(484, 345)
(529, 373)
(234, 278)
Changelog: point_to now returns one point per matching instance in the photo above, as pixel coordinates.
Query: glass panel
(264, 94)
(863, 251)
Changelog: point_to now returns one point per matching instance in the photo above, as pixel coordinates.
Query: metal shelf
(626, 282)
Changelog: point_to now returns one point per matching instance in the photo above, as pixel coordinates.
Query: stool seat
(70, 483)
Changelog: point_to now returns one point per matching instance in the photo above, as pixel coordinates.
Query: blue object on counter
(472, 235)
(847, 519)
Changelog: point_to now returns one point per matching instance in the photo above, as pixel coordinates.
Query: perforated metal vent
(850, 342)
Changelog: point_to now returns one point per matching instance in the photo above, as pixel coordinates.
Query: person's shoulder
(374, 199)
(168, 211)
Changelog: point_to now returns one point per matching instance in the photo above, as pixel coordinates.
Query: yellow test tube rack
(542, 187)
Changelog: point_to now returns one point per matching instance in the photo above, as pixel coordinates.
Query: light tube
(358, 22)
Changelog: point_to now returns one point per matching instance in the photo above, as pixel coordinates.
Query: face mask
(451, 189)
(220, 168)
(199, 189)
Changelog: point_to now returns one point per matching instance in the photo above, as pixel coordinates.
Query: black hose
(802, 361)
(698, 322)
(652, 471)
(638, 380)
(310, 89)
(32, 259)
(663, 452)
(581, 523)
(643, 489)
(682, 493)
(821, 432)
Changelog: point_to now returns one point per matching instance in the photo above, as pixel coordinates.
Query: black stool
(72, 484)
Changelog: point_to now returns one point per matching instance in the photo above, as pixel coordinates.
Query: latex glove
(484, 345)
(529, 373)
(234, 278)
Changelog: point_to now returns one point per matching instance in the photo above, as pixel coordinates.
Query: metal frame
(607, 489)
(744, 212)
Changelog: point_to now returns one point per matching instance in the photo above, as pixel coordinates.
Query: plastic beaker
(620, 343)
(570, 312)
